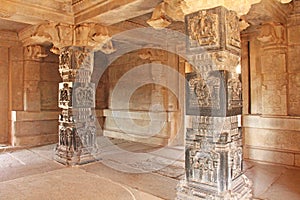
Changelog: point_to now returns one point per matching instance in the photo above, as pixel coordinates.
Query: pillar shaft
(213, 139)
(77, 129)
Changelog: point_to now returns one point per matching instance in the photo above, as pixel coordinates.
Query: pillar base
(195, 191)
(71, 158)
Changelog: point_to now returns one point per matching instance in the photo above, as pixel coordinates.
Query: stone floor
(125, 170)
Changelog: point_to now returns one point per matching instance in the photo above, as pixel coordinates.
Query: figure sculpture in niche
(65, 95)
(201, 91)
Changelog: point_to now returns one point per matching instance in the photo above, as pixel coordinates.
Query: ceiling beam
(112, 11)
(31, 12)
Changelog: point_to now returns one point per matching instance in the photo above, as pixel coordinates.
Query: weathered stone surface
(49, 97)
(35, 140)
(273, 139)
(297, 160)
(150, 183)
(283, 186)
(31, 71)
(4, 100)
(263, 177)
(270, 156)
(277, 123)
(16, 53)
(17, 85)
(49, 72)
(32, 128)
(293, 32)
(24, 163)
(94, 187)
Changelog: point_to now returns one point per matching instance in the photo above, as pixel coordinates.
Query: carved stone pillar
(75, 46)
(213, 94)
(77, 125)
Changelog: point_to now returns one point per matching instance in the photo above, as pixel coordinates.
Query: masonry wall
(271, 83)
(33, 113)
(7, 39)
(147, 102)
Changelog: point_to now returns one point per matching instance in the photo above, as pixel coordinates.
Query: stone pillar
(77, 129)
(214, 151)
(77, 122)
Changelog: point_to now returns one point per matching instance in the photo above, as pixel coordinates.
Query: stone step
(157, 141)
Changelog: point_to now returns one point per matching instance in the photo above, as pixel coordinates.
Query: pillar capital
(90, 35)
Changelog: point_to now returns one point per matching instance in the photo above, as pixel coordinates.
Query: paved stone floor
(125, 170)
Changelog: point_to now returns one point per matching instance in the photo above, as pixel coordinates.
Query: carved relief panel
(218, 94)
(233, 38)
(65, 95)
(203, 167)
(76, 63)
(208, 29)
(203, 29)
(84, 95)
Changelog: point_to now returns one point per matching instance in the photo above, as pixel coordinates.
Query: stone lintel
(33, 12)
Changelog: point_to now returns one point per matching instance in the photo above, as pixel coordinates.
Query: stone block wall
(148, 99)
(6, 40)
(33, 84)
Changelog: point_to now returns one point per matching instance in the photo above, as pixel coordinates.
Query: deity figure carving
(233, 29)
(237, 159)
(204, 167)
(203, 28)
(65, 95)
(201, 90)
(234, 87)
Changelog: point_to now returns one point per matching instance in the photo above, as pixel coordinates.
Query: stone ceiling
(11, 25)
(17, 14)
